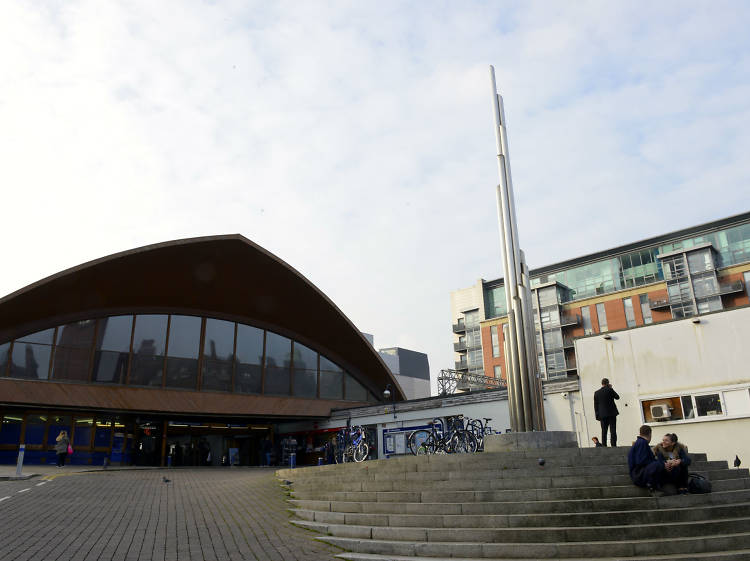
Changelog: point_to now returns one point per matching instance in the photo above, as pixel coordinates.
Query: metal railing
(459, 327)
(458, 347)
(451, 380)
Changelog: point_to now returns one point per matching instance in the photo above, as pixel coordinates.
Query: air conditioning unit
(660, 411)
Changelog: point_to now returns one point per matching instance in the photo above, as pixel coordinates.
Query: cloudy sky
(355, 140)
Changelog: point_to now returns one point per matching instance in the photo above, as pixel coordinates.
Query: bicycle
(351, 445)
(480, 430)
(455, 440)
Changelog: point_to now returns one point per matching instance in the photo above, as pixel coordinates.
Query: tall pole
(524, 384)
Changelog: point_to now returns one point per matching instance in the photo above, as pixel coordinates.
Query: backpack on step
(698, 484)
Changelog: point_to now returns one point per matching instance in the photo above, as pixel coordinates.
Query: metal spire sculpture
(521, 366)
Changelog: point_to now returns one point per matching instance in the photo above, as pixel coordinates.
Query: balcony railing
(731, 287)
(459, 328)
(568, 343)
(462, 365)
(658, 304)
(458, 347)
(571, 319)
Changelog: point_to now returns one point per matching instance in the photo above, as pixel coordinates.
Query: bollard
(320, 461)
(19, 465)
(293, 460)
(169, 461)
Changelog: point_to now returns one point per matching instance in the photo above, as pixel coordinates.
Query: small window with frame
(708, 405)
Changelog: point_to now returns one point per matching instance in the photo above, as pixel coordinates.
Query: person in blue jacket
(675, 458)
(645, 469)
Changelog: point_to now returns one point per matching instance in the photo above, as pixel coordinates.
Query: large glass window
(35, 425)
(112, 349)
(73, 351)
(645, 309)
(218, 355)
(629, 312)
(182, 352)
(278, 364)
(586, 316)
(495, 341)
(102, 432)
(331, 380)
(354, 390)
(149, 341)
(494, 302)
(31, 355)
(10, 432)
(305, 371)
(249, 360)
(83, 432)
(700, 261)
(602, 317)
(4, 354)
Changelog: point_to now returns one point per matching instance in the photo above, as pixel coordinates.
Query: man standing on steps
(606, 411)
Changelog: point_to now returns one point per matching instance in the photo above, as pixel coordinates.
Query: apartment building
(681, 274)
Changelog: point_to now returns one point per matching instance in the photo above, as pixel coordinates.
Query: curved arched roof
(219, 276)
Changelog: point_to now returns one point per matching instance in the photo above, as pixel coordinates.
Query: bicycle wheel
(361, 451)
(429, 446)
(463, 442)
(416, 439)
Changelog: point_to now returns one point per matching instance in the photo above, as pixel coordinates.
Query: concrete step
(485, 474)
(740, 555)
(576, 519)
(539, 493)
(536, 479)
(562, 457)
(528, 507)
(637, 549)
(533, 535)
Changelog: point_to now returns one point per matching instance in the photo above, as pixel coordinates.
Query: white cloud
(355, 141)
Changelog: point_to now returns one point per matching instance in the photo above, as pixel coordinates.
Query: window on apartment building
(586, 315)
(602, 315)
(495, 341)
(746, 278)
(629, 313)
(498, 372)
(645, 309)
(730, 402)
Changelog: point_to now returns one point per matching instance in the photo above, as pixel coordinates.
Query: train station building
(188, 352)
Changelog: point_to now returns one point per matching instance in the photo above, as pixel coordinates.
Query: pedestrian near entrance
(606, 411)
(62, 442)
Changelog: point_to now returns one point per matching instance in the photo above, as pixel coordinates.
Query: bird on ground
(541, 461)
(737, 461)
(165, 480)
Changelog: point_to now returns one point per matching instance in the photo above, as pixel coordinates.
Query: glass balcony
(462, 365)
(459, 327)
(460, 346)
(570, 319)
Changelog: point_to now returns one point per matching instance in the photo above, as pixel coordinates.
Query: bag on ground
(698, 484)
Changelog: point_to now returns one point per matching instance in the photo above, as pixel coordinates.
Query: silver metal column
(524, 384)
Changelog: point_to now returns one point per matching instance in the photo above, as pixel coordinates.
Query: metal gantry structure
(450, 381)
(521, 366)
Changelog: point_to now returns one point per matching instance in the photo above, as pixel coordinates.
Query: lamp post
(388, 392)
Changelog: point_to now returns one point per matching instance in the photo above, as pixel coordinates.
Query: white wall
(672, 358)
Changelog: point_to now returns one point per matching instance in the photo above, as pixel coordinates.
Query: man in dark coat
(645, 469)
(606, 411)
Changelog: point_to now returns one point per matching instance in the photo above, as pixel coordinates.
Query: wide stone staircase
(580, 504)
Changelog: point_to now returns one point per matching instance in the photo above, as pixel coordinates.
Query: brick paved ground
(202, 514)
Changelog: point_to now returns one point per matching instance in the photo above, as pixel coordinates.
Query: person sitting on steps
(645, 470)
(676, 461)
